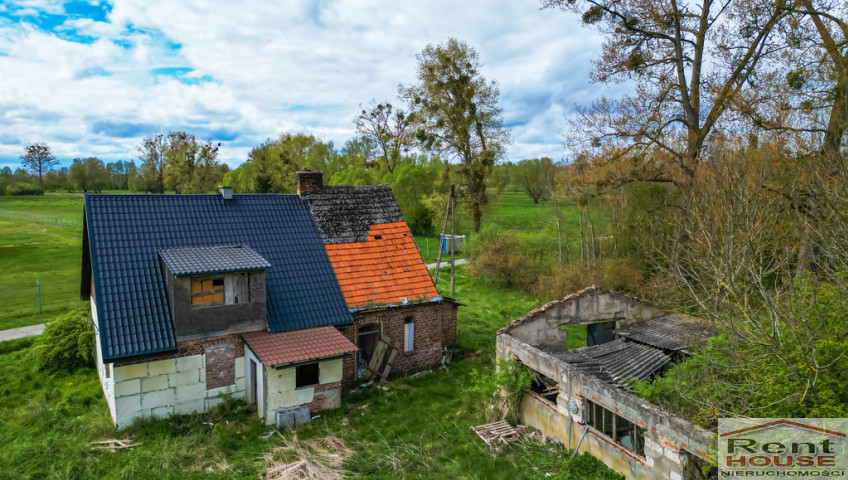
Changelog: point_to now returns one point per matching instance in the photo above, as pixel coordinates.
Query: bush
(507, 381)
(66, 344)
(619, 274)
(23, 188)
(501, 257)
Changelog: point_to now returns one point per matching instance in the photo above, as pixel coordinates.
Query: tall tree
(89, 174)
(151, 172)
(38, 159)
(191, 165)
(390, 128)
(459, 114)
(688, 68)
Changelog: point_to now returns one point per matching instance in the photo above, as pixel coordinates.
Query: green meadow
(40, 242)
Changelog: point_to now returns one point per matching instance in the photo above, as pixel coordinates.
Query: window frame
(302, 376)
(408, 334)
(597, 416)
(215, 290)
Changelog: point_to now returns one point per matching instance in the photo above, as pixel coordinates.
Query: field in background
(40, 241)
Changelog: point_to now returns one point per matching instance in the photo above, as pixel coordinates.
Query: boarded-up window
(207, 291)
(408, 334)
(231, 289)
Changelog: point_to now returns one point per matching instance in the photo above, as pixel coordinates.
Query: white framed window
(408, 334)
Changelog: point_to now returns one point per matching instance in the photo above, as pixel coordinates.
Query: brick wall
(326, 396)
(220, 365)
(188, 348)
(435, 327)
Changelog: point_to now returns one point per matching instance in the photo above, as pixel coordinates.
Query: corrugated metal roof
(126, 232)
(674, 332)
(615, 361)
(298, 346)
(198, 260)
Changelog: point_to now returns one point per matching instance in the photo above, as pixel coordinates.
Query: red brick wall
(220, 365)
(317, 404)
(188, 348)
(435, 327)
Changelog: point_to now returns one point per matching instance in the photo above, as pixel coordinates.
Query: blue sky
(92, 78)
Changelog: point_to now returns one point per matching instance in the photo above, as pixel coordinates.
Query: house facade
(197, 295)
(383, 278)
(581, 396)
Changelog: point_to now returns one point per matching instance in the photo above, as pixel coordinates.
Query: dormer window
(206, 292)
(227, 289)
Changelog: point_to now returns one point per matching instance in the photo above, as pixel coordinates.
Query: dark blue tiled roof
(197, 260)
(125, 234)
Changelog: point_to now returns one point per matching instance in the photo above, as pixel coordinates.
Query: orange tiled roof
(297, 345)
(381, 270)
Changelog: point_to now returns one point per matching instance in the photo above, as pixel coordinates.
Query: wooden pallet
(500, 433)
(114, 444)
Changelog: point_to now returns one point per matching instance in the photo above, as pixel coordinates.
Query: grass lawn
(412, 428)
(39, 242)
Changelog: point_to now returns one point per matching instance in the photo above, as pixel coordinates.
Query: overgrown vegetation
(504, 386)
(66, 344)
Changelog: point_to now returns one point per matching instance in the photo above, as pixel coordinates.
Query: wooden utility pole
(453, 237)
(442, 237)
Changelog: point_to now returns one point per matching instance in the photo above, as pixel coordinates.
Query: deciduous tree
(390, 128)
(459, 114)
(38, 159)
(688, 68)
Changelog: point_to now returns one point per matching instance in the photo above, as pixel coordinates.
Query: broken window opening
(545, 386)
(619, 429)
(600, 333)
(306, 375)
(575, 336)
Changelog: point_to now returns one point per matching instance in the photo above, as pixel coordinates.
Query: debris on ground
(114, 444)
(316, 459)
(500, 433)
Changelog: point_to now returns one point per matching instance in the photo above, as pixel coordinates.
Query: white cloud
(266, 67)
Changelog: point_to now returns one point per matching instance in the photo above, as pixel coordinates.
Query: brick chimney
(309, 182)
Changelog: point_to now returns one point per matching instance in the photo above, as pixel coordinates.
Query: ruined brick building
(265, 297)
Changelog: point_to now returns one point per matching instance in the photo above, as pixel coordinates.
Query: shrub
(501, 257)
(619, 274)
(23, 188)
(66, 344)
(507, 382)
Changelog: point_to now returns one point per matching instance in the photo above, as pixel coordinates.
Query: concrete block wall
(540, 327)
(280, 389)
(668, 439)
(159, 388)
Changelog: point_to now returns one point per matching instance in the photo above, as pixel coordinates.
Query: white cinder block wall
(166, 387)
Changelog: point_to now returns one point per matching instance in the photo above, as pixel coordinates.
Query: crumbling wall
(435, 328)
(541, 327)
(281, 389)
(667, 437)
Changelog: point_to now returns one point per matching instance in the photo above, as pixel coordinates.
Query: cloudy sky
(92, 78)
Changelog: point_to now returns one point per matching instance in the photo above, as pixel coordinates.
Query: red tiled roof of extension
(298, 345)
(382, 270)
